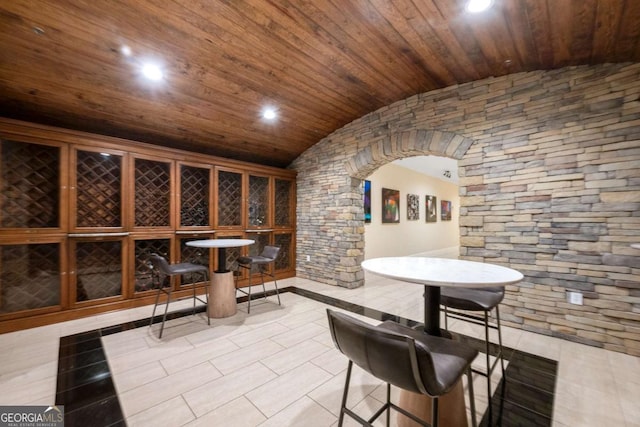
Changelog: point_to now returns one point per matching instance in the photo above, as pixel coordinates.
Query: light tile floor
(278, 366)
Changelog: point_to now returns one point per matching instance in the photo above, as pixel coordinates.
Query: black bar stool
(268, 256)
(477, 300)
(404, 357)
(162, 267)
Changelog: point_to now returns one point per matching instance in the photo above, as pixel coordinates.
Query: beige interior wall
(410, 237)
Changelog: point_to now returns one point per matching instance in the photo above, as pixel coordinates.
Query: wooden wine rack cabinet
(80, 212)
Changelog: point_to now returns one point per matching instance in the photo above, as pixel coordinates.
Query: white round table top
(442, 271)
(220, 243)
(635, 245)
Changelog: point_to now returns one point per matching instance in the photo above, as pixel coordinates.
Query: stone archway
(331, 227)
(417, 142)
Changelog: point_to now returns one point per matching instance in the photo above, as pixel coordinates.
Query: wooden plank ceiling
(320, 63)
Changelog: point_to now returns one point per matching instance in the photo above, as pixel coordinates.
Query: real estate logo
(32, 416)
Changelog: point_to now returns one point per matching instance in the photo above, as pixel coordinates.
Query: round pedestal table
(222, 292)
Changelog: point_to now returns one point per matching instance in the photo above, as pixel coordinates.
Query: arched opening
(363, 163)
(422, 225)
(329, 215)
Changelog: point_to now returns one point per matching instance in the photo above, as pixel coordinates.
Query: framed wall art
(413, 207)
(445, 210)
(431, 208)
(390, 206)
(367, 201)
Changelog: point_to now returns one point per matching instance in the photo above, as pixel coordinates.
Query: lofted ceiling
(320, 63)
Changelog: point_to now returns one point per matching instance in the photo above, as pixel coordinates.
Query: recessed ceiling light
(269, 113)
(477, 6)
(152, 72)
(125, 50)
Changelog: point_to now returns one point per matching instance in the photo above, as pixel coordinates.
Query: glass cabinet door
(258, 209)
(98, 189)
(152, 193)
(98, 269)
(283, 203)
(143, 280)
(30, 189)
(232, 254)
(194, 196)
(261, 240)
(229, 199)
(29, 276)
(284, 240)
(193, 254)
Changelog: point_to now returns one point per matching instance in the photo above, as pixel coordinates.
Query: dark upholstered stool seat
(186, 268)
(257, 259)
(471, 299)
(446, 361)
(406, 358)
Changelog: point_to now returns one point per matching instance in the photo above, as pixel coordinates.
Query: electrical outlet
(575, 298)
(308, 257)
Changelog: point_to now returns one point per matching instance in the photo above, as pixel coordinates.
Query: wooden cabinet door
(195, 196)
(229, 199)
(259, 206)
(98, 190)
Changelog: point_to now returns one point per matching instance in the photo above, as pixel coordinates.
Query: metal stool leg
(193, 310)
(207, 281)
(264, 289)
(472, 401)
(166, 308)
(206, 296)
(263, 271)
(499, 340)
(446, 319)
(247, 267)
(249, 293)
(343, 406)
(388, 404)
(490, 366)
(157, 299)
(488, 358)
(275, 283)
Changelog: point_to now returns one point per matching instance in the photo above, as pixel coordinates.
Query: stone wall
(550, 185)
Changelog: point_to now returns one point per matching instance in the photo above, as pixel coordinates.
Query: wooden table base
(451, 408)
(222, 295)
